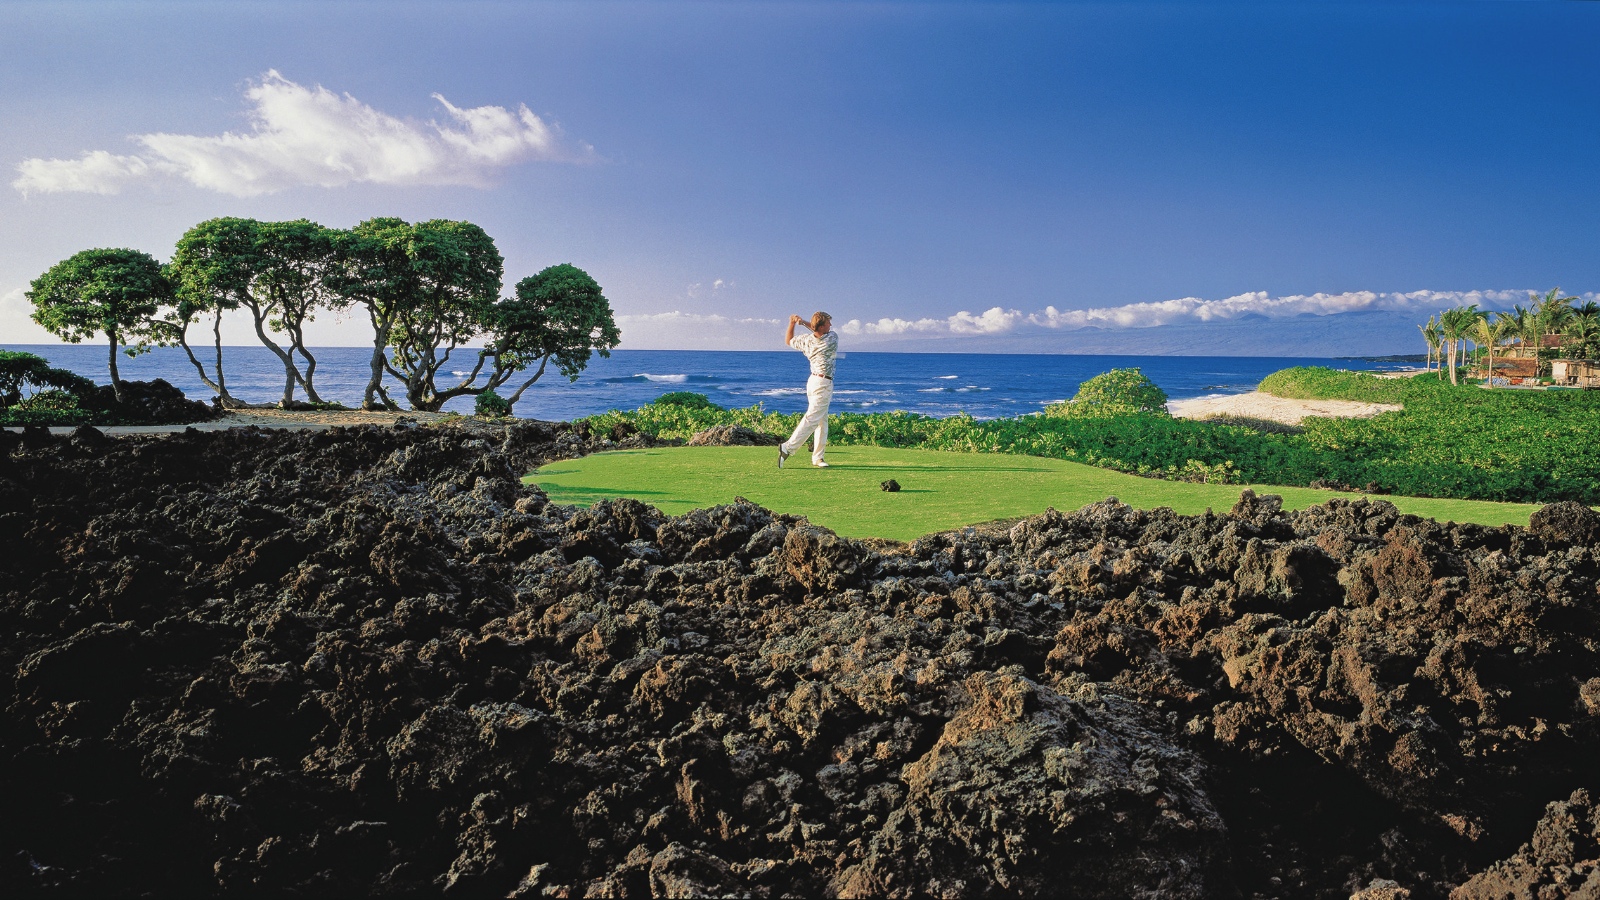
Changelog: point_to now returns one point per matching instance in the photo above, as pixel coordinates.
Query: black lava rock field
(373, 663)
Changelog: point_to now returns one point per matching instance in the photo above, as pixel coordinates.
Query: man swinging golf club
(820, 347)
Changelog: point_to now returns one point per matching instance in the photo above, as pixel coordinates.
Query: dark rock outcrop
(733, 436)
(150, 403)
(373, 661)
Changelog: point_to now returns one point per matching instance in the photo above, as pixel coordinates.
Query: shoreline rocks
(372, 661)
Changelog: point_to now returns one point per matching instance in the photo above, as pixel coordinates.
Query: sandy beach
(1257, 405)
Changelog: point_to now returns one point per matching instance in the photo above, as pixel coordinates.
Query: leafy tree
(294, 259)
(115, 292)
(454, 280)
(212, 270)
(375, 267)
(1119, 392)
(558, 315)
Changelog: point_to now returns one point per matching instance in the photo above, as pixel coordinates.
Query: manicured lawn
(938, 490)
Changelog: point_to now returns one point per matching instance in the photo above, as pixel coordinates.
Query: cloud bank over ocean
(1233, 325)
(310, 136)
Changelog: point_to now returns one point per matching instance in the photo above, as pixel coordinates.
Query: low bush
(1322, 383)
(490, 405)
(1119, 392)
(685, 399)
(33, 393)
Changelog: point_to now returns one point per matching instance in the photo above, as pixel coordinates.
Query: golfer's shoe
(781, 457)
(820, 464)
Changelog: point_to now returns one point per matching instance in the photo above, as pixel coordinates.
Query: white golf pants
(819, 393)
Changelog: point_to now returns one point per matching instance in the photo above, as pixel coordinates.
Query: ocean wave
(946, 377)
(778, 392)
(662, 379)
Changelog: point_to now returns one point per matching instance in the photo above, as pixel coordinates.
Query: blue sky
(1043, 177)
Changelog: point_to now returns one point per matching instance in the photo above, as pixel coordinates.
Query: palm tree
(1430, 333)
(1584, 330)
(1550, 315)
(1455, 324)
(1488, 331)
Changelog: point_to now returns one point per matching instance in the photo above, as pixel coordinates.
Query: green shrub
(490, 405)
(1119, 392)
(52, 399)
(20, 371)
(685, 399)
(1323, 383)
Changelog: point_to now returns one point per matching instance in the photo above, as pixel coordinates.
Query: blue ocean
(936, 384)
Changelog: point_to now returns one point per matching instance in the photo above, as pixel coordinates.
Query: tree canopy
(559, 315)
(114, 292)
(455, 273)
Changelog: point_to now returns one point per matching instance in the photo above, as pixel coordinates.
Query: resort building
(1577, 372)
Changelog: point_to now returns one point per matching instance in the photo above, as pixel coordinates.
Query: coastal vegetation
(1450, 441)
(430, 290)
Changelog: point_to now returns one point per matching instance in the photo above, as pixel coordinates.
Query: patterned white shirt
(820, 350)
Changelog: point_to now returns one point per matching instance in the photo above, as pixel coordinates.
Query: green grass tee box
(939, 490)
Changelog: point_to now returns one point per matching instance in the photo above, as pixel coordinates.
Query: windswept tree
(114, 292)
(288, 288)
(212, 270)
(559, 315)
(375, 267)
(456, 271)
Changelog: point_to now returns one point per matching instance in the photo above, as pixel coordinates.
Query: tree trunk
(290, 374)
(511, 401)
(311, 370)
(116, 380)
(1452, 352)
(380, 343)
(199, 368)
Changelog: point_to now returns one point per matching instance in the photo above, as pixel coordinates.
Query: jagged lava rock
(372, 661)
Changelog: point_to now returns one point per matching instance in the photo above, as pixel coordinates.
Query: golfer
(820, 346)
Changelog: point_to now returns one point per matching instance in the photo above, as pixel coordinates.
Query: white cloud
(992, 321)
(1193, 309)
(310, 136)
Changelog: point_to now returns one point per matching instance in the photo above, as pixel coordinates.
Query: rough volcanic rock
(151, 403)
(733, 436)
(1561, 860)
(374, 662)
